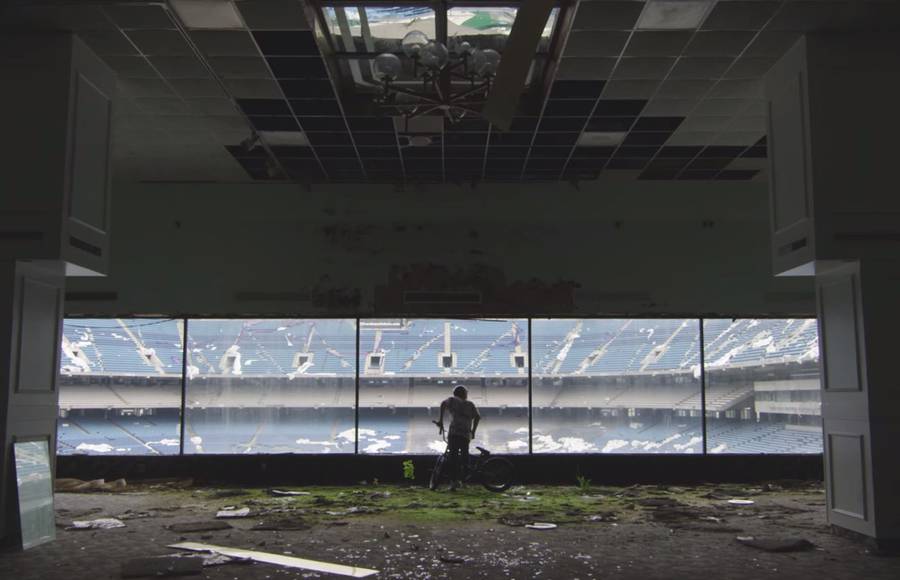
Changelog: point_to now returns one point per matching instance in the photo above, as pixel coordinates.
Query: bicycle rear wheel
(436, 472)
(496, 474)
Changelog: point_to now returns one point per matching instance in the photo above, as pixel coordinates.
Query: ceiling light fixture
(673, 14)
(207, 14)
(455, 82)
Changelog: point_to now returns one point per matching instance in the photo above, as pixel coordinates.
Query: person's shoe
(453, 485)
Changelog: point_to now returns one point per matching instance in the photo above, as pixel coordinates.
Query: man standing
(464, 420)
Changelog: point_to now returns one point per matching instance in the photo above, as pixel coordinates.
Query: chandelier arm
(424, 111)
(418, 95)
(469, 92)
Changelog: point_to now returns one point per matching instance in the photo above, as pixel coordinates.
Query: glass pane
(34, 483)
(763, 392)
(616, 386)
(407, 367)
(270, 386)
(120, 387)
(381, 30)
(489, 26)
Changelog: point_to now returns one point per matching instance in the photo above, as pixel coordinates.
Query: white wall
(611, 247)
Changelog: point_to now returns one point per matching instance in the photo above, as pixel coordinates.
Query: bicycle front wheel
(436, 472)
(496, 474)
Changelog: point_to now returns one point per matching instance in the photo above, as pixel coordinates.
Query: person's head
(461, 392)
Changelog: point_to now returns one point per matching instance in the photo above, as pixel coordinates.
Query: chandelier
(454, 81)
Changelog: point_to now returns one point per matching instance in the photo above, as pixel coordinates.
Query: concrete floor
(634, 532)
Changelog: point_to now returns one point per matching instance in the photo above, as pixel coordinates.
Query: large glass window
(407, 367)
(616, 386)
(270, 386)
(762, 393)
(120, 387)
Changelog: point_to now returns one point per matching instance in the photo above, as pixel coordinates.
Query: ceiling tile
(740, 15)
(576, 89)
(749, 68)
(691, 138)
(286, 42)
(737, 138)
(647, 123)
(253, 88)
(718, 43)
(144, 88)
(704, 123)
(812, 15)
(162, 105)
(669, 107)
(197, 87)
(657, 43)
(273, 14)
(610, 124)
(240, 67)
(619, 107)
(595, 43)
(212, 106)
(700, 68)
(738, 89)
(207, 14)
(225, 42)
(772, 43)
(290, 67)
(630, 89)
(179, 67)
(642, 68)
(160, 42)
(607, 15)
(130, 67)
(108, 42)
(688, 89)
(139, 16)
(720, 107)
(745, 123)
(585, 68)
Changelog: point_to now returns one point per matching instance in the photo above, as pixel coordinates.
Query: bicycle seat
(483, 450)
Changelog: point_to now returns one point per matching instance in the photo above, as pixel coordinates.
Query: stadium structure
(289, 386)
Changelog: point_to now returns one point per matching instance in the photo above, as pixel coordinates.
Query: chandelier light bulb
(434, 54)
(477, 60)
(413, 43)
(492, 61)
(387, 66)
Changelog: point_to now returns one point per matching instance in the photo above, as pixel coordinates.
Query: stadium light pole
(184, 355)
(356, 400)
(530, 408)
(703, 386)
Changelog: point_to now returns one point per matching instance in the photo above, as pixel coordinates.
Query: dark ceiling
(265, 99)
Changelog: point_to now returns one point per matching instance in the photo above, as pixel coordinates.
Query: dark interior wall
(610, 247)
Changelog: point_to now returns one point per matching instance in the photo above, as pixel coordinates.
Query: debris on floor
(281, 492)
(282, 524)
(98, 524)
(233, 513)
(161, 566)
(208, 526)
(776, 544)
(72, 485)
(741, 501)
(541, 526)
(279, 560)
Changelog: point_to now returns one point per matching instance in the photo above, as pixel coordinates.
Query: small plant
(409, 470)
(584, 484)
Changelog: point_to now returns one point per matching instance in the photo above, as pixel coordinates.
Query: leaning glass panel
(763, 392)
(408, 367)
(270, 386)
(120, 387)
(616, 386)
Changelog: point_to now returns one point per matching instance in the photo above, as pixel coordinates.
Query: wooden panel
(839, 334)
(37, 346)
(846, 455)
(90, 155)
(788, 153)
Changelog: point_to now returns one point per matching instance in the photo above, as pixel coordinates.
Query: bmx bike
(494, 473)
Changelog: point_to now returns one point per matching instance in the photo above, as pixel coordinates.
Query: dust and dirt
(410, 532)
